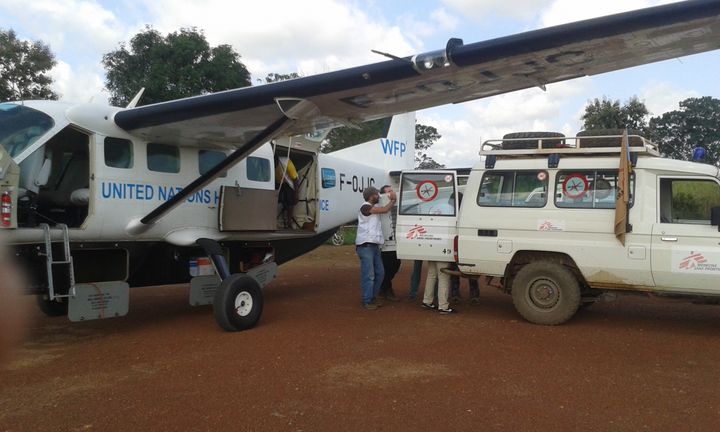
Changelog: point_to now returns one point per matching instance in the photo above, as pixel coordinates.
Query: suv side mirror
(715, 217)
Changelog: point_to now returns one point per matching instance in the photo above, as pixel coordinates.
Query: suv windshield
(21, 126)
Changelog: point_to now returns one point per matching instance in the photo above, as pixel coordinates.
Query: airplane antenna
(388, 55)
(136, 99)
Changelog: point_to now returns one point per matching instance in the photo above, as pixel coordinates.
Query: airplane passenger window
(328, 178)
(118, 153)
(163, 158)
(207, 159)
(258, 169)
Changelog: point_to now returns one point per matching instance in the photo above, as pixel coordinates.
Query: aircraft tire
(338, 239)
(50, 307)
(238, 303)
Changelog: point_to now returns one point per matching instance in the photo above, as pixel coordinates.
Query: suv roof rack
(588, 145)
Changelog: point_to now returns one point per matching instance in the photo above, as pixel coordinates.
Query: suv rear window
(426, 194)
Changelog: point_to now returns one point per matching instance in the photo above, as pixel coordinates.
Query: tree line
(695, 124)
(183, 64)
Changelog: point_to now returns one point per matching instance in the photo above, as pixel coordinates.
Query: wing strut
(241, 153)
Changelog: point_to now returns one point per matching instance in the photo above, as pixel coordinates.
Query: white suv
(542, 220)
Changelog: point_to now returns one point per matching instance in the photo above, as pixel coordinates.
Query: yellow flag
(623, 191)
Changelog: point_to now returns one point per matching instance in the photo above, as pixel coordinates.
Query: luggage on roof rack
(593, 138)
(525, 144)
(515, 141)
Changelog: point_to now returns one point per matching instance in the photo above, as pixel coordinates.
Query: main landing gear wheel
(238, 303)
(51, 307)
(338, 239)
(546, 293)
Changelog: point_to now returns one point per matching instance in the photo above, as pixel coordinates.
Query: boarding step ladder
(60, 271)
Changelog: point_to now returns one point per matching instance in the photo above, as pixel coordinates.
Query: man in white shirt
(367, 245)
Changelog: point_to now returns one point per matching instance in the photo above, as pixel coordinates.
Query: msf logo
(546, 226)
(692, 261)
(416, 232)
(393, 148)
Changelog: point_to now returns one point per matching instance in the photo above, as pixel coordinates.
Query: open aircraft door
(427, 215)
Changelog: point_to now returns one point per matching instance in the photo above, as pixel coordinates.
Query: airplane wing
(245, 118)
(455, 74)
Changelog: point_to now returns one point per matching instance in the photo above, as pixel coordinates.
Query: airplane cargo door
(247, 209)
(427, 215)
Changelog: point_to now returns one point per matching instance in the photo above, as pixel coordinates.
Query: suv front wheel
(546, 293)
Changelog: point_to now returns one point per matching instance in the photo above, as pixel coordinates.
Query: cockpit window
(21, 126)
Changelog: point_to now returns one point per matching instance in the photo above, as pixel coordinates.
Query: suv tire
(546, 292)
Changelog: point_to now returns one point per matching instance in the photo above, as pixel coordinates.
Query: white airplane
(96, 199)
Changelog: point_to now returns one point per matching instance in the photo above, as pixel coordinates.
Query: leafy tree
(179, 65)
(23, 68)
(695, 124)
(425, 137)
(607, 114)
(343, 137)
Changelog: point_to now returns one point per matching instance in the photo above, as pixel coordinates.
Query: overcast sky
(314, 36)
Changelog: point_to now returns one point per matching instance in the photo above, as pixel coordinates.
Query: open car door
(427, 215)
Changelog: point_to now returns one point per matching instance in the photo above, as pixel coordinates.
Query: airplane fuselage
(120, 178)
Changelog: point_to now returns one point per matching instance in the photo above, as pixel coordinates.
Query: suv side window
(688, 201)
(513, 189)
(588, 189)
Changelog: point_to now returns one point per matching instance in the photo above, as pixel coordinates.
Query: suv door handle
(669, 239)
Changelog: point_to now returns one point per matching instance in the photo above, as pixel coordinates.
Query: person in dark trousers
(415, 280)
(455, 296)
(388, 250)
(367, 245)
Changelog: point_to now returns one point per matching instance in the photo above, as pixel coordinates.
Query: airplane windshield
(21, 126)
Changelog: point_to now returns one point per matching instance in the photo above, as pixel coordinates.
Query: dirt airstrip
(319, 362)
